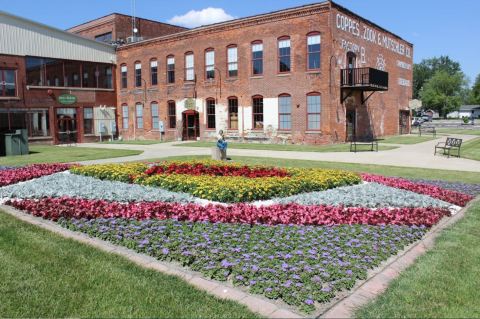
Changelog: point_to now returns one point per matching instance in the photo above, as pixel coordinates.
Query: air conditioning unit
(133, 39)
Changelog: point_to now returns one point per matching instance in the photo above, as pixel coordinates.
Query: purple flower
(309, 302)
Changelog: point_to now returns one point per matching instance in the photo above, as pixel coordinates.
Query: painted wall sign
(67, 99)
(404, 65)
(190, 104)
(403, 82)
(371, 35)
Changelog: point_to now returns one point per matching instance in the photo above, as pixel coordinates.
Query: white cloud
(194, 18)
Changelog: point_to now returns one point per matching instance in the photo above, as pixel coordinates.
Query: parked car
(417, 121)
(426, 118)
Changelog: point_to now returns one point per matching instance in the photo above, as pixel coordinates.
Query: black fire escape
(362, 79)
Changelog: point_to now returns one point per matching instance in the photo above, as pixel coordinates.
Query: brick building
(305, 75)
(312, 74)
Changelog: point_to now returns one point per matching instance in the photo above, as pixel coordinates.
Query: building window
(233, 113)
(155, 115)
(88, 120)
(285, 112)
(8, 82)
(189, 67)
(154, 72)
(170, 69)
(106, 37)
(139, 115)
(257, 112)
(123, 70)
(138, 74)
(232, 61)
(172, 114)
(257, 58)
(313, 49)
(314, 108)
(71, 74)
(284, 62)
(211, 114)
(210, 64)
(125, 117)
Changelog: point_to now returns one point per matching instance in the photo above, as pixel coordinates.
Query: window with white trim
(210, 64)
(153, 72)
(314, 109)
(313, 51)
(125, 117)
(284, 61)
(170, 69)
(285, 112)
(232, 61)
(139, 115)
(257, 58)
(189, 67)
(155, 115)
(138, 74)
(123, 75)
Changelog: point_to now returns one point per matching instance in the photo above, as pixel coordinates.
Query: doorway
(191, 125)
(351, 119)
(351, 64)
(66, 121)
(404, 119)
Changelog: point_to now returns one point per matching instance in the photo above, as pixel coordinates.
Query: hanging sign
(190, 104)
(67, 99)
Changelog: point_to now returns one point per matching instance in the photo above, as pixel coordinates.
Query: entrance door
(404, 119)
(351, 64)
(191, 127)
(351, 124)
(66, 125)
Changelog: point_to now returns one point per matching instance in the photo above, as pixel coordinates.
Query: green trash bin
(13, 144)
(23, 141)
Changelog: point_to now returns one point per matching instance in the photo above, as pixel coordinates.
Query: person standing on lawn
(222, 145)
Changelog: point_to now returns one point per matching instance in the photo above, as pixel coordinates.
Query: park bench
(427, 129)
(449, 145)
(369, 140)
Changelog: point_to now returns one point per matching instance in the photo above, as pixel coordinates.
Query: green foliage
(474, 97)
(442, 92)
(426, 69)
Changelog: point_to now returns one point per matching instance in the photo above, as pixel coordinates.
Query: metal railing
(364, 78)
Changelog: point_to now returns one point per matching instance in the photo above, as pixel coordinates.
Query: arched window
(284, 52)
(123, 76)
(233, 113)
(313, 51)
(155, 115)
(209, 63)
(211, 118)
(172, 114)
(284, 112)
(138, 74)
(170, 69)
(125, 116)
(232, 60)
(257, 108)
(189, 67)
(314, 111)
(257, 57)
(153, 71)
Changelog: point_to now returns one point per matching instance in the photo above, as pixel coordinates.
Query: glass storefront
(35, 120)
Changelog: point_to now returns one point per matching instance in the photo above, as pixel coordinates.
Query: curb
(256, 304)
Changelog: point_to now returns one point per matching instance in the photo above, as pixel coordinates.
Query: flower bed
(300, 265)
(61, 185)
(364, 195)
(114, 172)
(214, 168)
(430, 190)
(21, 174)
(469, 189)
(55, 208)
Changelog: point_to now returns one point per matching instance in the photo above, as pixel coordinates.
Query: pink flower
(21, 174)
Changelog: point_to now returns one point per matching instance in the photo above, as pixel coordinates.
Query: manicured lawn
(63, 154)
(458, 131)
(406, 139)
(441, 284)
(452, 176)
(137, 142)
(44, 275)
(471, 149)
(289, 147)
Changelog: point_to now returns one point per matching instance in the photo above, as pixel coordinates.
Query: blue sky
(435, 27)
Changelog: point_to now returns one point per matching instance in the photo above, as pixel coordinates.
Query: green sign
(190, 104)
(67, 99)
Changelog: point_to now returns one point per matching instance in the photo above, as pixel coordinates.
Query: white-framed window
(232, 61)
(189, 67)
(153, 72)
(284, 51)
(210, 64)
(171, 69)
(138, 74)
(285, 112)
(313, 50)
(125, 117)
(139, 115)
(314, 111)
(155, 115)
(257, 58)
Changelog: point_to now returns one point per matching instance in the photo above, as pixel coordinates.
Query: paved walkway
(417, 155)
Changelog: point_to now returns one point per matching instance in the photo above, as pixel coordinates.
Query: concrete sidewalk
(416, 155)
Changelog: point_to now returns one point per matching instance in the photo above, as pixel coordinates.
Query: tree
(443, 92)
(424, 70)
(474, 98)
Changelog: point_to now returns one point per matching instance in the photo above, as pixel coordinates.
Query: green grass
(63, 154)
(471, 149)
(443, 283)
(453, 176)
(44, 275)
(406, 139)
(289, 147)
(458, 131)
(137, 142)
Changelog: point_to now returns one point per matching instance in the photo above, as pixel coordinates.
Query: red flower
(21, 174)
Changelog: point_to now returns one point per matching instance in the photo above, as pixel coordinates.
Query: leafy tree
(426, 69)
(443, 92)
(474, 98)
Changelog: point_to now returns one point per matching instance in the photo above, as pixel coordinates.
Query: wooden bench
(427, 129)
(373, 142)
(450, 144)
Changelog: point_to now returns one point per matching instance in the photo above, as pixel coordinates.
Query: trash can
(24, 141)
(14, 143)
